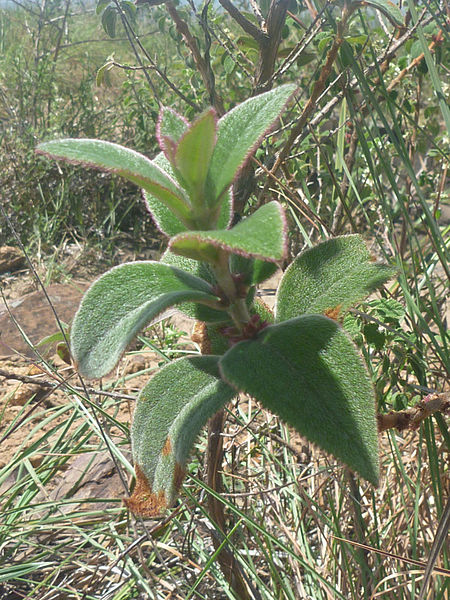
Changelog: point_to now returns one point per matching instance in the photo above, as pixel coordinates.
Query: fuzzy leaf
(130, 164)
(240, 131)
(164, 218)
(308, 372)
(169, 129)
(199, 312)
(262, 235)
(329, 278)
(120, 303)
(193, 154)
(255, 271)
(170, 412)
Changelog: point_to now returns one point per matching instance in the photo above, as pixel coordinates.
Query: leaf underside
(329, 278)
(262, 235)
(121, 303)
(170, 412)
(125, 162)
(307, 371)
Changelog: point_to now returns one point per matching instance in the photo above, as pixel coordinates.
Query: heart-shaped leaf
(121, 303)
(170, 412)
(130, 164)
(307, 371)
(262, 235)
(329, 278)
(239, 133)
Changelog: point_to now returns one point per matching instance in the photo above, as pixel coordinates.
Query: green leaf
(199, 312)
(388, 8)
(308, 372)
(101, 5)
(329, 278)
(170, 412)
(109, 20)
(169, 129)
(193, 154)
(121, 303)
(239, 133)
(255, 271)
(164, 218)
(123, 161)
(262, 235)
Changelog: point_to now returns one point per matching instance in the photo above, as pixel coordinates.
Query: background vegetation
(364, 148)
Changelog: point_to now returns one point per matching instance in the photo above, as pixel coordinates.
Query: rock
(35, 316)
(11, 259)
(24, 393)
(90, 475)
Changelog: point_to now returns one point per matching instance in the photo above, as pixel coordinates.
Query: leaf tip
(143, 501)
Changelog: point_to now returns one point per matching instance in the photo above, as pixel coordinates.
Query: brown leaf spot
(333, 313)
(167, 447)
(143, 501)
(178, 476)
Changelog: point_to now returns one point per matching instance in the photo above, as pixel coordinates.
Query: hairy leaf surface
(120, 303)
(193, 154)
(170, 412)
(193, 310)
(329, 278)
(262, 235)
(240, 131)
(130, 164)
(307, 371)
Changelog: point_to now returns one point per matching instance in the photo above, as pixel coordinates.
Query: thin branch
(413, 417)
(246, 25)
(202, 65)
(53, 386)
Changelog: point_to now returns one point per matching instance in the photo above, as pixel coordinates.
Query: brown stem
(201, 63)
(227, 560)
(246, 25)
(413, 417)
(317, 90)
(276, 19)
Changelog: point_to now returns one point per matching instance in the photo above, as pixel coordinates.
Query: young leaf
(308, 372)
(163, 217)
(329, 277)
(240, 131)
(170, 412)
(199, 312)
(193, 154)
(120, 303)
(254, 270)
(262, 235)
(169, 129)
(123, 161)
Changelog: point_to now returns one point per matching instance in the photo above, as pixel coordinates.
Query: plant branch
(269, 45)
(413, 417)
(317, 91)
(252, 30)
(202, 65)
